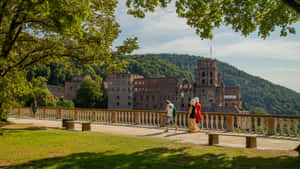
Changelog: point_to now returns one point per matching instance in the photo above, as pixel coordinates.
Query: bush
(64, 103)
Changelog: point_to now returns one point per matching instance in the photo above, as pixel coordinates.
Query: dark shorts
(170, 120)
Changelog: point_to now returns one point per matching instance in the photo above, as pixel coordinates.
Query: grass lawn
(48, 148)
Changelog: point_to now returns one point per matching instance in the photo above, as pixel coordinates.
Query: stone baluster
(207, 127)
(217, 122)
(158, 119)
(44, 113)
(288, 126)
(238, 123)
(281, 126)
(262, 121)
(296, 127)
(180, 119)
(137, 118)
(250, 124)
(255, 124)
(150, 118)
(212, 122)
(222, 122)
(229, 123)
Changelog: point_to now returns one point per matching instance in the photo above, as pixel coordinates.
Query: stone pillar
(213, 139)
(94, 116)
(75, 115)
(44, 113)
(229, 124)
(250, 142)
(162, 119)
(271, 126)
(86, 126)
(114, 117)
(137, 117)
(70, 125)
(58, 113)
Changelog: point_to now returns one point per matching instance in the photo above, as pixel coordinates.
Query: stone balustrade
(239, 123)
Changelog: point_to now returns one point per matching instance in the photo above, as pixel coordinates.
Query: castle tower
(208, 85)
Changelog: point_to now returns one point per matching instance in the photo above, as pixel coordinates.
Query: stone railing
(241, 123)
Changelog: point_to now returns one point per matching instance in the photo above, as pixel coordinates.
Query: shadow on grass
(160, 158)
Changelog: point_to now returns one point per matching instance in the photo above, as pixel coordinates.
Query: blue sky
(276, 59)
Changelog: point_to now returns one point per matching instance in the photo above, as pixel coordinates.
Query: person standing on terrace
(170, 119)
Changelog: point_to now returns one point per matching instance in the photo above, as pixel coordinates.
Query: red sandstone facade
(120, 90)
(126, 91)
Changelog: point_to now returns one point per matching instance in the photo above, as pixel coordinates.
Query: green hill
(149, 66)
(258, 94)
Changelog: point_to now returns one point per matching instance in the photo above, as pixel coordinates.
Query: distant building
(128, 91)
(68, 91)
(119, 88)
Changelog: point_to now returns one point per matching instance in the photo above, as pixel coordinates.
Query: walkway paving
(266, 143)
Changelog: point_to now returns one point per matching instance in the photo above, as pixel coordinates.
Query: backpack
(174, 112)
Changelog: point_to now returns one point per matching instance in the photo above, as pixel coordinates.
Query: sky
(276, 58)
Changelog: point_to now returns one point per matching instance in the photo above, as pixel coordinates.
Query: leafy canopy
(242, 15)
(40, 31)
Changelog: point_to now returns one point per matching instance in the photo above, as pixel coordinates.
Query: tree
(88, 94)
(64, 103)
(40, 31)
(243, 16)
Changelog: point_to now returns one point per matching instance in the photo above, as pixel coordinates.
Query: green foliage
(256, 92)
(88, 95)
(36, 32)
(11, 86)
(243, 16)
(258, 110)
(149, 66)
(64, 103)
(40, 92)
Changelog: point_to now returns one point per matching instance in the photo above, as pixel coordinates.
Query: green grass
(39, 148)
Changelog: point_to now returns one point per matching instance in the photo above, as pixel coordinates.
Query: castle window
(182, 105)
(211, 100)
(118, 103)
(210, 81)
(203, 81)
(153, 98)
(129, 103)
(147, 98)
(211, 74)
(203, 74)
(118, 97)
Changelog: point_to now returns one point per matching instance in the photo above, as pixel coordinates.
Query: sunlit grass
(41, 148)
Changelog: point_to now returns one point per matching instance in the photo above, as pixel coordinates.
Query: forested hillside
(258, 94)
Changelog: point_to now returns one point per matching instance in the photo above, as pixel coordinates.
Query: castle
(68, 91)
(130, 91)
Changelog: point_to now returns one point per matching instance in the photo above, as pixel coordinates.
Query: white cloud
(275, 49)
(187, 45)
